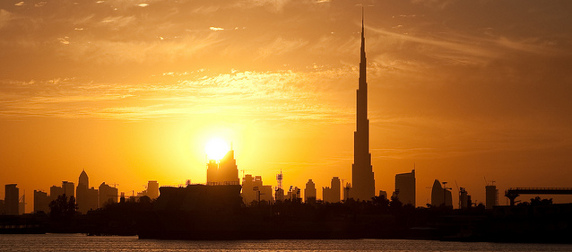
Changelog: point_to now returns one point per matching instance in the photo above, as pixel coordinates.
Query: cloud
(5, 18)
(270, 95)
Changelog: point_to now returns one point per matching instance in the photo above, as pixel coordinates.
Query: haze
(131, 91)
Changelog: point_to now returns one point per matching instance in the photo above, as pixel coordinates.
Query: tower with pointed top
(363, 183)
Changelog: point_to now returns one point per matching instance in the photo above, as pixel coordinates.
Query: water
(78, 242)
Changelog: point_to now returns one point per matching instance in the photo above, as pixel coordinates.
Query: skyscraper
(41, 202)
(81, 192)
(68, 188)
(225, 172)
(362, 172)
(153, 189)
(107, 194)
(310, 192)
(332, 194)
(86, 198)
(254, 190)
(405, 187)
(440, 195)
(11, 199)
(491, 196)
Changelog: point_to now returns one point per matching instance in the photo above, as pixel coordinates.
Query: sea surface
(78, 242)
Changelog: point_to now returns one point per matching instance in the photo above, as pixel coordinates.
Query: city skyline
(130, 96)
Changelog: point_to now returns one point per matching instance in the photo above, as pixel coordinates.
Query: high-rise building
(279, 194)
(491, 194)
(332, 194)
(293, 194)
(107, 194)
(362, 172)
(440, 195)
(223, 173)
(81, 192)
(83, 180)
(254, 191)
(153, 189)
(12, 199)
(464, 199)
(68, 188)
(405, 187)
(86, 198)
(212, 173)
(55, 192)
(310, 192)
(41, 202)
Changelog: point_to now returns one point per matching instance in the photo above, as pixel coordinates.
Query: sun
(216, 148)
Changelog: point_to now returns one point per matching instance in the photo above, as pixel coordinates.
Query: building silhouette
(55, 192)
(293, 194)
(254, 191)
(279, 194)
(41, 202)
(332, 194)
(152, 189)
(362, 172)
(12, 199)
(69, 188)
(310, 192)
(347, 189)
(224, 172)
(405, 187)
(107, 194)
(464, 199)
(440, 196)
(86, 198)
(492, 195)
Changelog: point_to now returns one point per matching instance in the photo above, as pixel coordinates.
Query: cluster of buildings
(87, 198)
(225, 172)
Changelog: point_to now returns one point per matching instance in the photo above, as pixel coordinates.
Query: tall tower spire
(363, 183)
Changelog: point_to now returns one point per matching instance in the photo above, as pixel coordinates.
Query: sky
(131, 91)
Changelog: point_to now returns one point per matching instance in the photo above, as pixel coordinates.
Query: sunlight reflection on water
(78, 242)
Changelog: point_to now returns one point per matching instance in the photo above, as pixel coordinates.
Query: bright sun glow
(216, 148)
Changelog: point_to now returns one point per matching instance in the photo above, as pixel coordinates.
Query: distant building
(440, 195)
(69, 189)
(11, 199)
(254, 191)
(86, 198)
(347, 191)
(41, 202)
(293, 194)
(279, 194)
(332, 194)
(492, 194)
(464, 199)
(223, 173)
(153, 189)
(55, 192)
(405, 187)
(107, 194)
(212, 173)
(310, 192)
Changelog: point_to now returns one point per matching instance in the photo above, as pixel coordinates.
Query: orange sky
(131, 91)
